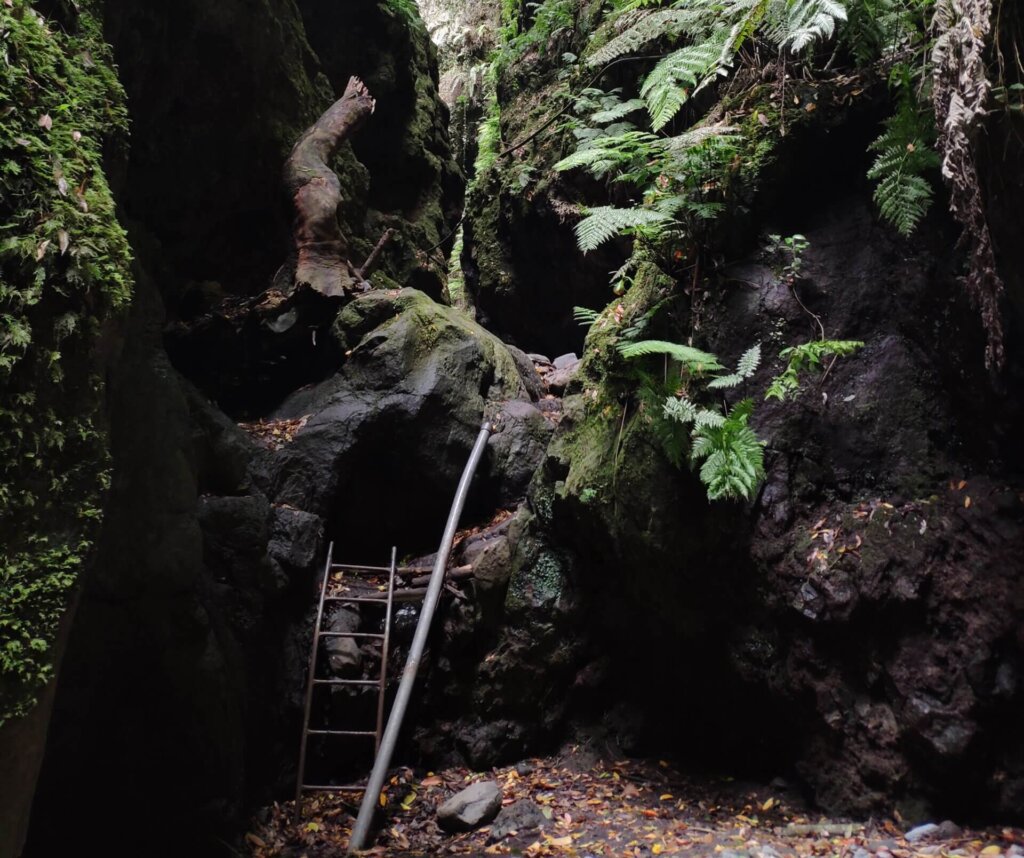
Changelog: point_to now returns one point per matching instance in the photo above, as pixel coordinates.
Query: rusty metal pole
(387, 746)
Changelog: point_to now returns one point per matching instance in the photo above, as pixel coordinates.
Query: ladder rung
(346, 682)
(341, 732)
(356, 600)
(352, 567)
(351, 635)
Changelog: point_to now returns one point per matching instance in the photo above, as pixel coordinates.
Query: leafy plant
(793, 247)
(800, 359)
(732, 455)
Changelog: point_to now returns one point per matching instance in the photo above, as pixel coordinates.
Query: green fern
(808, 356)
(903, 194)
(733, 456)
(747, 366)
(678, 76)
(604, 222)
(585, 316)
(693, 359)
(798, 24)
(648, 26)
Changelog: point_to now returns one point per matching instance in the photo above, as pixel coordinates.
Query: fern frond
(903, 200)
(797, 24)
(674, 79)
(724, 382)
(605, 222)
(708, 419)
(680, 410)
(585, 316)
(690, 357)
(732, 454)
(603, 117)
(647, 27)
(749, 362)
(804, 357)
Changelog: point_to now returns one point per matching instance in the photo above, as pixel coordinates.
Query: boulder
(397, 421)
(520, 817)
(474, 806)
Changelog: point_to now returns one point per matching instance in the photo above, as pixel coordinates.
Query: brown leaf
(41, 250)
(46, 121)
(63, 241)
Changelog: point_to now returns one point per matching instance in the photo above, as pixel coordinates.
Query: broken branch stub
(322, 261)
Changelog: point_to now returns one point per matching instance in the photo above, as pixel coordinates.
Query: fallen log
(322, 257)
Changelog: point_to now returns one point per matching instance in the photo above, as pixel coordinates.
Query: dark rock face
(182, 690)
(180, 670)
(857, 618)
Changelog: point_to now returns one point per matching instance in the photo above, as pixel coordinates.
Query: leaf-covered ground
(623, 808)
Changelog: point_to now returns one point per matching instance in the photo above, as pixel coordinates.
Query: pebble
(1015, 851)
(948, 830)
(474, 806)
(921, 832)
(861, 852)
(565, 361)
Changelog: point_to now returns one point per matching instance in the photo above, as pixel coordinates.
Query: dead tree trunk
(322, 261)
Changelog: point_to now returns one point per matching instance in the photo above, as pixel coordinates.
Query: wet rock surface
(470, 808)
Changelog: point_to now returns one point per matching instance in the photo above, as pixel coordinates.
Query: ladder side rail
(310, 684)
(433, 595)
(384, 650)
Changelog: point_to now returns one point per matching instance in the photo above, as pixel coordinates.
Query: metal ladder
(313, 682)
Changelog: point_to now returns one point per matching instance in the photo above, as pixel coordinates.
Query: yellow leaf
(407, 802)
(657, 849)
(666, 797)
(967, 502)
(768, 805)
(312, 826)
(383, 799)
(560, 842)
(992, 850)
(961, 485)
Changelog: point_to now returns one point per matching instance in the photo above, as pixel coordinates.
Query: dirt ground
(592, 808)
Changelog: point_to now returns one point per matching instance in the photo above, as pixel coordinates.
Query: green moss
(64, 274)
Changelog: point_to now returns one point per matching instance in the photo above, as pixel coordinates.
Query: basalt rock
(393, 427)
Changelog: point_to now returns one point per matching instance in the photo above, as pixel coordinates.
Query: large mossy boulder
(386, 438)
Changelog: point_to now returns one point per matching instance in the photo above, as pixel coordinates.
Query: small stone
(474, 806)
(1015, 851)
(861, 852)
(566, 361)
(948, 830)
(524, 769)
(921, 832)
(539, 359)
(520, 817)
(765, 852)
(883, 853)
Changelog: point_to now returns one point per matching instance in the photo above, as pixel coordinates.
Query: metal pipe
(412, 665)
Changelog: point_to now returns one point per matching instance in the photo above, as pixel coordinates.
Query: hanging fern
(732, 454)
(798, 24)
(646, 27)
(693, 359)
(605, 222)
(903, 194)
(678, 76)
(585, 316)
